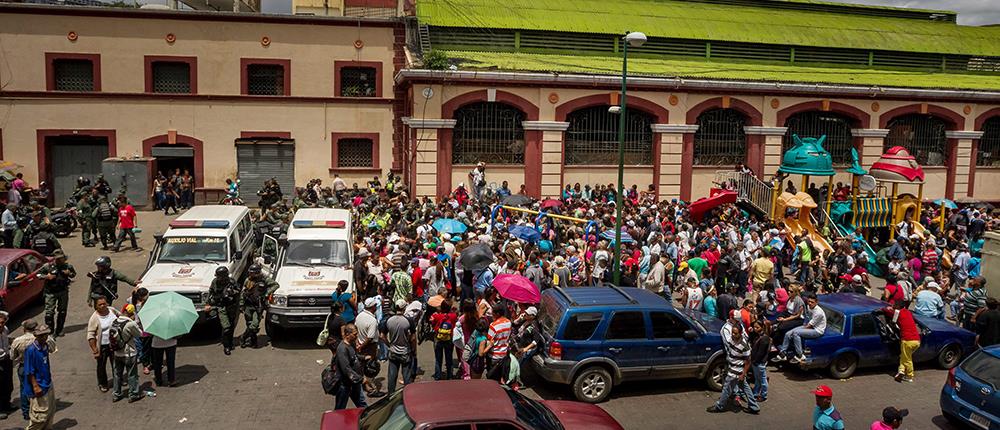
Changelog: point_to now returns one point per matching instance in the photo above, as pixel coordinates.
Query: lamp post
(635, 39)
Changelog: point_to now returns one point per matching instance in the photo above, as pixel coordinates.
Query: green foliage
(436, 60)
(124, 4)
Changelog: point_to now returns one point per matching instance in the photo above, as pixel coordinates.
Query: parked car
(857, 336)
(971, 394)
(479, 404)
(599, 337)
(19, 287)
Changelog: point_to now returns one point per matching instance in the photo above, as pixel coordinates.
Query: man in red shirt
(126, 224)
(417, 278)
(443, 321)
(893, 293)
(909, 338)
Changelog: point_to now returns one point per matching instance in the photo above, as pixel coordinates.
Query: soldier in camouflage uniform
(104, 281)
(253, 303)
(224, 302)
(85, 207)
(57, 274)
(105, 215)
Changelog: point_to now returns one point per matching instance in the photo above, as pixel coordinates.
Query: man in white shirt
(812, 329)
(368, 337)
(338, 183)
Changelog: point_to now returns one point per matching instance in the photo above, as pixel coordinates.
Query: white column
(671, 157)
(552, 154)
(426, 153)
(963, 157)
(873, 145)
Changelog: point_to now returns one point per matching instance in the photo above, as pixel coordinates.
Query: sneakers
(794, 360)
(779, 357)
(751, 411)
(907, 379)
(227, 351)
(800, 358)
(714, 409)
(898, 377)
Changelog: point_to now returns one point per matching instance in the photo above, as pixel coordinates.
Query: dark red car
(18, 287)
(468, 405)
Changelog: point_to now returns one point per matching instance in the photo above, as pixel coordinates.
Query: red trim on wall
(448, 109)
(949, 186)
(45, 164)
(754, 115)
(370, 3)
(954, 120)
(980, 122)
(338, 65)
(860, 117)
(50, 74)
(981, 119)
(196, 144)
(265, 135)
(1, 144)
(192, 63)
(286, 63)
(199, 97)
(660, 113)
(335, 143)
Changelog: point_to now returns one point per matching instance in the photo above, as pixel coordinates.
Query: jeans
(795, 337)
(102, 365)
(121, 238)
(906, 348)
(806, 272)
(394, 367)
(126, 367)
(25, 404)
(760, 376)
(734, 385)
(443, 348)
(350, 391)
(171, 354)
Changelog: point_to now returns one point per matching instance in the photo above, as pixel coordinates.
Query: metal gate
(72, 157)
(260, 160)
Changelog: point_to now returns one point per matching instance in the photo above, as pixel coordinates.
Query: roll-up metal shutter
(259, 160)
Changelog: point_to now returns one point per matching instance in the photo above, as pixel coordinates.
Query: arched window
(720, 139)
(592, 137)
(837, 129)
(989, 145)
(922, 135)
(490, 132)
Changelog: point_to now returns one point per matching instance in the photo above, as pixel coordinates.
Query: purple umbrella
(517, 288)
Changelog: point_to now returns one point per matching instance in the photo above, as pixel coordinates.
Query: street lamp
(634, 39)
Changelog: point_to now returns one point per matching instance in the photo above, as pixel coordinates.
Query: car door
(671, 355)
(269, 251)
(626, 341)
(867, 339)
(19, 293)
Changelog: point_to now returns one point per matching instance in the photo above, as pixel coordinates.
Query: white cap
(531, 311)
(371, 302)
(933, 285)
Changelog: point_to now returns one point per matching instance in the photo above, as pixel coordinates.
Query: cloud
(970, 12)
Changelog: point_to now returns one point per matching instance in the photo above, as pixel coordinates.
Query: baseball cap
(29, 325)
(891, 414)
(933, 285)
(823, 391)
(531, 311)
(371, 302)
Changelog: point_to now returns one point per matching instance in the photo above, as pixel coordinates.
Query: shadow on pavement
(64, 423)
(942, 423)
(62, 404)
(298, 339)
(190, 373)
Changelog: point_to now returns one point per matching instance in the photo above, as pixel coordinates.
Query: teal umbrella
(168, 315)
(450, 226)
(946, 203)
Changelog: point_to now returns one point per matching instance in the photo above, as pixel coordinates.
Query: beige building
(219, 94)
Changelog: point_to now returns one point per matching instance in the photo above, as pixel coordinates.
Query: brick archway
(953, 121)
(661, 115)
(532, 139)
(755, 142)
(195, 144)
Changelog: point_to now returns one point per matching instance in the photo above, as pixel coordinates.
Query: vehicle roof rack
(566, 296)
(622, 292)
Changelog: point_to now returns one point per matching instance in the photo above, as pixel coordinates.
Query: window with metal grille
(73, 74)
(592, 137)
(171, 77)
(355, 153)
(922, 135)
(989, 145)
(720, 139)
(836, 128)
(265, 79)
(490, 132)
(357, 82)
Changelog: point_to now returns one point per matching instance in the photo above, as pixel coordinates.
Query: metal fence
(265, 79)
(355, 153)
(171, 77)
(922, 135)
(490, 132)
(989, 145)
(836, 128)
(357, 82)
(73, 75)
(720, 139)
(748, 187)
(592, 137)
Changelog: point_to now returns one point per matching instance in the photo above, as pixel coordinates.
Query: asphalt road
(278, 387)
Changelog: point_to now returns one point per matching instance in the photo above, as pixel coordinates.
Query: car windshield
(984, 367)
(317, 252)
(386, 414)
(186, 249)
(533, 413)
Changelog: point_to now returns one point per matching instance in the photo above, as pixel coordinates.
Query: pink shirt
(879, 425)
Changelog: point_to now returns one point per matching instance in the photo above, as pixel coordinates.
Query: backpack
(907, 289)
(444, 332)
(105, 212)
(116, 334)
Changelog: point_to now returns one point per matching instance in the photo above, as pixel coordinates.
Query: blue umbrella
(525, 233)
(450, 226)
(610, 235)
(946, 203)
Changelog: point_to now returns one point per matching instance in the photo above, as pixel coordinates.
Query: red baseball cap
(823, 391)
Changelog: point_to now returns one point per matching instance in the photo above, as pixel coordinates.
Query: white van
(308, 263)
(185, 257)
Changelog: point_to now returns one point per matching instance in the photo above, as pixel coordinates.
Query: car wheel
(949, 357)
(716, 375)
(592, 385)
(843, 366)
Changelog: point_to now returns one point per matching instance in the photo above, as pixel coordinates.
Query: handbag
(371, 369)
(331, 380)
(324, 335)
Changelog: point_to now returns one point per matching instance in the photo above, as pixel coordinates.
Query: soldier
(104, 214)
(253, 303)
(43, 241)
(57, 275)
(224, 301)
(104, 281)
(85, 207)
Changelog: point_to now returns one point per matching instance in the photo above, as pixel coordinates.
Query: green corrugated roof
(717, 70)
(707, 21)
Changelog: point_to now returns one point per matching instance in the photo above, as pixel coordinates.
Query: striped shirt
(737, 352)
(930, 260)
(499, 336)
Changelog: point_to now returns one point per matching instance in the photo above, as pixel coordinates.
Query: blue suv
(599, 337)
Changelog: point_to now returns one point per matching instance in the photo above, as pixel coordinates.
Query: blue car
(856, 336)
(598, 337)
(971, 394)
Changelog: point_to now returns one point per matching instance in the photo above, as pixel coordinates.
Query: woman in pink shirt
(126, 224)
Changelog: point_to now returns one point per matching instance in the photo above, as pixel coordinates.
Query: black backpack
(116, 334)
(105, 212)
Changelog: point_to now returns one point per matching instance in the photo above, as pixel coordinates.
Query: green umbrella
(168, 315)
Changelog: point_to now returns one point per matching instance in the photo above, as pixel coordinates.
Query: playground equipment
(897, 167)
(807, 158)
(718, 197)
(590, 227)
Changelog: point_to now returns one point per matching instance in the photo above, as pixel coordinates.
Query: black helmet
(254, 269)
(103, 261)
(222, 272)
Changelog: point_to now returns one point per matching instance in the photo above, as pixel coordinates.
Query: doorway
(71, 157)
(170, 158)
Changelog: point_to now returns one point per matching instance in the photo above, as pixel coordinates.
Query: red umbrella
(551, 203)
(517, 288)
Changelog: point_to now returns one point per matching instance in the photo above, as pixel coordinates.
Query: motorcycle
(64, 221)
(232, 201)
